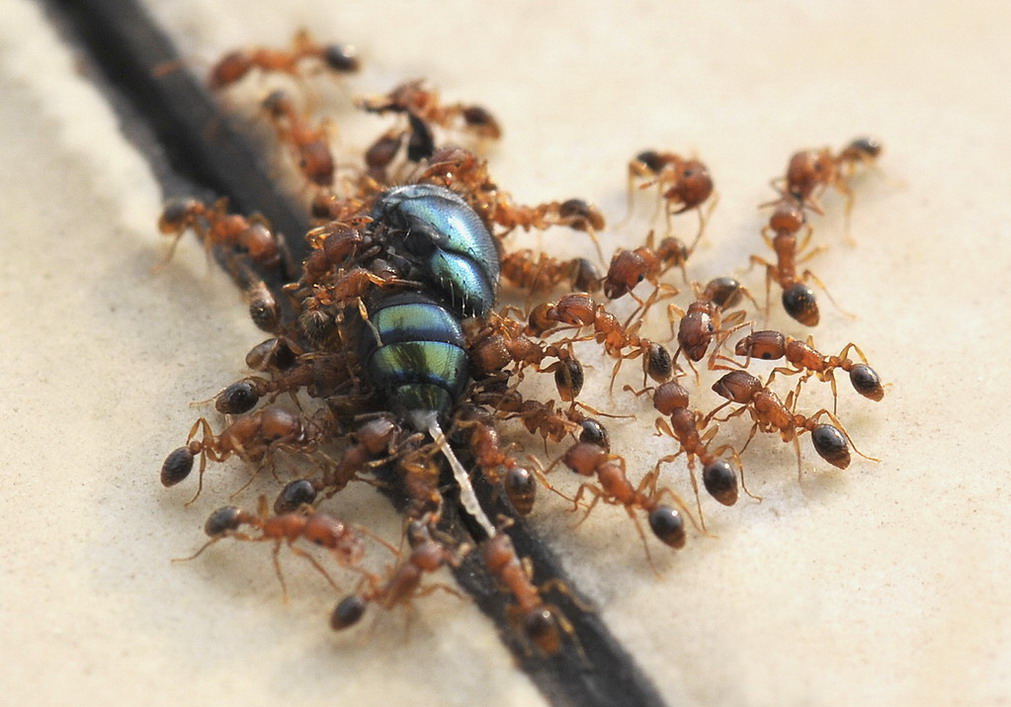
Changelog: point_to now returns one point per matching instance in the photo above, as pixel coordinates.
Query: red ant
(320, 529)
(718, 477)
(704, 319)
(542, 624)
(373, 443)
(770, 414)
(576, 214)
(798, 299)
(590, 459)
(683, 184)
(537, 272)
(250, 438)
(769, 345)
(216, 227)
(235, 65)
(309, 145)
(630, 267)
(417, 99)
(404, 582)
(810, 172)
(579, 310)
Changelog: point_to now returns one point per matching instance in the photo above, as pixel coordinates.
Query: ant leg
(673, 309)
(277, 569)
(315, 563)
(642, 536)
(597, 494)
(846, 350)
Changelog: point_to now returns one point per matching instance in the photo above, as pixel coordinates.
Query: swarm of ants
(397, 357)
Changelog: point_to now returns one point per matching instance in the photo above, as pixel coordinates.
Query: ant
(372, 444)
(320, 529)
(704, 319)
(216, 227)
(250, 438)
(810, 172)
(541, 623)
(630, 267)
(309, 145)
(415, 98)
(798, 299)
(769, 345)
(770, 414)
(718, 477)
(232, 67)
(577, 214)
(404, 582)
(579, 310)
(590, 459)
(683, 184)
(537, 272)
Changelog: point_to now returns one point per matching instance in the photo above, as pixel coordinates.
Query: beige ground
(883, 584)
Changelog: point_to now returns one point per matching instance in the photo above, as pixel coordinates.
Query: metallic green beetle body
(440, 234)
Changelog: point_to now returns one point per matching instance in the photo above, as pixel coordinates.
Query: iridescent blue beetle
(452, 251)
(413, 346)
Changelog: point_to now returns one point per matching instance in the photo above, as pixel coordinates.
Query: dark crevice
(194, 150)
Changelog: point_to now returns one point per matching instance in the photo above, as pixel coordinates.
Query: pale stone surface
(882, 584)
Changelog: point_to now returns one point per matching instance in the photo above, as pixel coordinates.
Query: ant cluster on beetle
(399, 358)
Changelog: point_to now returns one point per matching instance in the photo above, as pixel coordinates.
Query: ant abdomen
(800, 303)
(831, 445)
(348, 612)
(720, 481)
(237, 398)
(178, 465)
(865, 381)
(296, 494)
(668, 526)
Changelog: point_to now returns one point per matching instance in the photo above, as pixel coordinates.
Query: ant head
(831, 445)
(176, 214)
(694, 185)
(667, 526)
(788, 217)
(347, 612)
(721, 481)
(695, 332)
(669, 396)
(738, 386)
(627, 270)
(177, 466)
(222, 520)
(800, 303)
(541, 626)
(865, 381)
